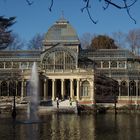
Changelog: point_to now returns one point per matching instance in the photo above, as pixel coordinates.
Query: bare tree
(86, 40)
(122, 5)
(17, 43)
(119, 38)
(36, 42)
(133, 40)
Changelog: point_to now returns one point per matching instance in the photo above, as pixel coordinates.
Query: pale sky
(37, 18)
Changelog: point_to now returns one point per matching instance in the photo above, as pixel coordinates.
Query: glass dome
(61, 31)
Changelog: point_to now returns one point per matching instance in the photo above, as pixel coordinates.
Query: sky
(37, 18)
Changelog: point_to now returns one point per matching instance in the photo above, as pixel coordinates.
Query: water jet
(32, 107)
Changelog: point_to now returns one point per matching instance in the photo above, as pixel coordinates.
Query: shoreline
(81, 109)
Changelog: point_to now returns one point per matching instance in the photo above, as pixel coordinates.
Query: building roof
(61, 31)
(108, 53)
(20, 54)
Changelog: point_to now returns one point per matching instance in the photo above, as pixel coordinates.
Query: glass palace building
(67, 71)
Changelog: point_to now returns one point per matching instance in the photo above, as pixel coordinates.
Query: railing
(68, 71)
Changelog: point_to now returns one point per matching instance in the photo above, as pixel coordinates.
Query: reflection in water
(62, 127)
(73, 127)
(121, 127)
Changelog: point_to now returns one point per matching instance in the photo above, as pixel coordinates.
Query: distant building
(66, 71)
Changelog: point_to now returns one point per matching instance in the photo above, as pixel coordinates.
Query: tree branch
(127, 9)
(107, 5)
(125, 6)
(109, 2)
(51, 5)
(29, 2)
(87, 7)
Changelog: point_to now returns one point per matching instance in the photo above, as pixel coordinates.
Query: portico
(69, 85)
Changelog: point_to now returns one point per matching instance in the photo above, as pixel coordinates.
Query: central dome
(61, 31)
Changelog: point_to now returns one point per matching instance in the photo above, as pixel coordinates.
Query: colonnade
(131, 92)
(5, 88)
(8, 88)
(133, 89)
(63, 91)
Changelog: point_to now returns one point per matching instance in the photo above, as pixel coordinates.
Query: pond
(72, 127)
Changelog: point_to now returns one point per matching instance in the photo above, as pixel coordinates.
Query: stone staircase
(65, 104)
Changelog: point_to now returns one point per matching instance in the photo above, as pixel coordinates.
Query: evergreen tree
(5, 34)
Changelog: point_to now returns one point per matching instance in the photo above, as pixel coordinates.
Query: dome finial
(62, 15)
(62, 20)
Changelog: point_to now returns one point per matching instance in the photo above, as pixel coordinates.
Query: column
(0, 88)
(125, 64)
(109, 64)
(78, 89)
(101, 64)
(20, 65)
(8, 88)
(119, 82)
(25, 90)
(22, 89)
(92, 91)
(53, 89)
(4, 65)
(71, 88)
(27, 65)
(136, 102)
(45, 89)
(129, 92)
(11, 64)
(128, 89)
(62, 88)
(16, 82)
(117, 64)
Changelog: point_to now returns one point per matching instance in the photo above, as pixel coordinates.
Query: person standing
(57, 102)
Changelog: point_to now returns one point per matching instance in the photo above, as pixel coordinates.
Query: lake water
(72, 127)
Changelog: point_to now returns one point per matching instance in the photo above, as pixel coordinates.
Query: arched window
(113, 64)
(8, 64)
(59, 60)
(28, 88)
(105, 64)
(139, 88)
(132, 88)
(23, 65)
(30, 64)
(98, 64)
(85, 89)
(4, 89)
(19, 88)
(1, 64)
(12, 88)
(15, 64)
(121, 64)
(124, 89)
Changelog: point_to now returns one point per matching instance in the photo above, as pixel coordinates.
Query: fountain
(33, 95)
